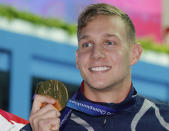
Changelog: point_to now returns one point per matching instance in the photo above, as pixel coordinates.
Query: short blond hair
(94, 10)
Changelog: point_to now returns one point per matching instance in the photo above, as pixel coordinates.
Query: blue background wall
(26, 57)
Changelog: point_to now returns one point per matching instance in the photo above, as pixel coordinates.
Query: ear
(77, 59)
(136, 51)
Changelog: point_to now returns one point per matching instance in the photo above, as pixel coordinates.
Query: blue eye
(86, 45)
(109, 43)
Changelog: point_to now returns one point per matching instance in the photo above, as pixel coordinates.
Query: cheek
(82, 60)
(120, 58)
(126, 58)
(116, 58)
(83, 65)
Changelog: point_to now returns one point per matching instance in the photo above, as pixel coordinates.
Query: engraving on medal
(54, 89)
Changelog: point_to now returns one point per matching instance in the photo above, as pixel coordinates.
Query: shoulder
(163, 108)
(152, 103)
(143, 100)
(159, 109)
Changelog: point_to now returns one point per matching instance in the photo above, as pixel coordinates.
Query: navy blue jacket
(135, 113)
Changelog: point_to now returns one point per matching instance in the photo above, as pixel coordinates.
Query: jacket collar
(128, 102)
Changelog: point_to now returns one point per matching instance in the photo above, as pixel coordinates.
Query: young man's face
(103, 56)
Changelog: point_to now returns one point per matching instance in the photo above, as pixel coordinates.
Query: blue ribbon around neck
(91, 108)
(85, 107)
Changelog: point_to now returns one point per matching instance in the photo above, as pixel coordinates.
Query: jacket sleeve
(26, 128)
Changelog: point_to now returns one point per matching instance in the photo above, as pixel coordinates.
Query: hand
(44, 118)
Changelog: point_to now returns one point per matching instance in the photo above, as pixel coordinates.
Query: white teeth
(103, 68)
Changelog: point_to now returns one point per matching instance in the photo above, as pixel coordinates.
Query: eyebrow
(116, 36)
(105, 35)
(110, 35)
(83, 37)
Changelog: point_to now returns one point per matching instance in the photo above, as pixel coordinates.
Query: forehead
(102, 25)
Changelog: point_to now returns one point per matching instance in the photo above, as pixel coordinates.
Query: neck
(114, 94)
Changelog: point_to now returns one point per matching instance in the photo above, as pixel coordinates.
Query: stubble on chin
(103, 87)
(97, 88)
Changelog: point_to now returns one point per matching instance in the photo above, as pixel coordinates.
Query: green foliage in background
(149, 44)
(12, 13)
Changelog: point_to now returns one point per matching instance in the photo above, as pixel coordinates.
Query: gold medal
(54, 89)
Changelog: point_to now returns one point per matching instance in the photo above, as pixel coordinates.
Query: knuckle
(30, 118)
(34, 121)
(55, 124)
(50, 107)
(54, 113)
(58, 113)
(58, 121)
(41, 122)
(37, 97)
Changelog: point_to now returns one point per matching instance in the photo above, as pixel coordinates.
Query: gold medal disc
(54, 89)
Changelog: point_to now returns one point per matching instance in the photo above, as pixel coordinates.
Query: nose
(97, 52)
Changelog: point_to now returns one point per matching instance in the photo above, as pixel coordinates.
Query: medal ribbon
(89, 108)
(85, 107)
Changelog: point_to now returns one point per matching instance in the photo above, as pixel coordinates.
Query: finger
(51, 124)
(49, 115)
(45, 112)
(55, 125)
(39, 100)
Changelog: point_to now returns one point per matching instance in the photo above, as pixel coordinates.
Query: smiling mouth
(100, 68)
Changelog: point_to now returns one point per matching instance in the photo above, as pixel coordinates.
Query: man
(107, 100)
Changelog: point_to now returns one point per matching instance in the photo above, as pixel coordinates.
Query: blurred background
(38, 42)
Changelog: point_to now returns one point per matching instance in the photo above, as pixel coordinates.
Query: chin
(98, 85)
